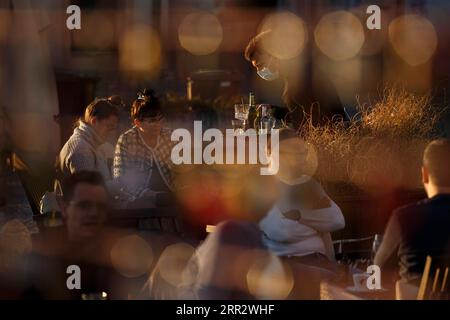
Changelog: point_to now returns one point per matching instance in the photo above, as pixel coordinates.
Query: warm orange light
(140, 50)
(132, 256)
(173, 261)
(288, 37)
(339, 35)
(269, 277)
(413, 38)
(104, 36)
(200, 33)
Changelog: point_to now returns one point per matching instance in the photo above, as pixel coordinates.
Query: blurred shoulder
(415, 208)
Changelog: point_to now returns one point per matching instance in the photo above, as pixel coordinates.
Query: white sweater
(309, 233)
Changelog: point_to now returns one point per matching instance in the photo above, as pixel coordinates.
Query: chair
(405, 290)
(353, 249)
(434, 282)
(34, 186)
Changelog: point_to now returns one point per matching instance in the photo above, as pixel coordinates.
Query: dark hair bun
(147, 94)
(147, 105)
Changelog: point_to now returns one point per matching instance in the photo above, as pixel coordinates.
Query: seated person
(297, 228)
(107, 149)
(82, 150)
(219, 265)
(111, 260)
(423, 228)
(218, 268)
(85, 149)
(142, 163)
(81, 242)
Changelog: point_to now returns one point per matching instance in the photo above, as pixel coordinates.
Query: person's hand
(292, 215)
(322, 203)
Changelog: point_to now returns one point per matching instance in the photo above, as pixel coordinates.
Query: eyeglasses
(90, 205)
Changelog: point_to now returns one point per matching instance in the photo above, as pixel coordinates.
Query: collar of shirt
(89, 134)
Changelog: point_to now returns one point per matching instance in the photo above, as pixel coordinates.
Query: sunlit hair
(100, 108)
(88, 177)
(436, 161)
(116, 100)
(255, 45)
(147, 105)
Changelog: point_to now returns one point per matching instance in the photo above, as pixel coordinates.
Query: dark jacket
(415, 231)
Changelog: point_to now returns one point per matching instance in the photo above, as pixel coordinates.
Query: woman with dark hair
(142, 159)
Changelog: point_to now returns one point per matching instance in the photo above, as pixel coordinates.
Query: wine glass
(241, 112)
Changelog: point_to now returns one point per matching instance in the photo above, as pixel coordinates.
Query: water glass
(238, 126)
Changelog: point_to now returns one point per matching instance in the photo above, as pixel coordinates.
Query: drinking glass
(241, 111)
(238, 126)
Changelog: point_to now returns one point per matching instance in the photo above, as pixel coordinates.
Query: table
(337, 291)
(162, 219)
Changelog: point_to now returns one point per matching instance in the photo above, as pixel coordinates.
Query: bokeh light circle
(132, 256)
(288, 35)
(413, 38)
(200, 33)
(339, 35)
(140, 50)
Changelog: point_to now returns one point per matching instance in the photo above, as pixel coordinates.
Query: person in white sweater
(292, 228)
(299, 223)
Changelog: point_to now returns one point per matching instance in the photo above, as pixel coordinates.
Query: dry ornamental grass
(381, 146)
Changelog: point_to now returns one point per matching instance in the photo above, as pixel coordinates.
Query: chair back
(353, 249)
(34, 185)
(435, 278)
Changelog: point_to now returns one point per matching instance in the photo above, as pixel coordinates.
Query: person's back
(423, 229)
(417, 230)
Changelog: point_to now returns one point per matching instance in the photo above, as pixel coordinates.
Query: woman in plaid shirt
(142, 161)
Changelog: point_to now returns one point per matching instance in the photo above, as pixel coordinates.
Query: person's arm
(326, 219)
(390, 243)
(316, 209)
(81, 159)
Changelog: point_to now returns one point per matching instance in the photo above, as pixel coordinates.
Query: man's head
(266, 65)
(436, 167)
(103, 116)
(84, 204)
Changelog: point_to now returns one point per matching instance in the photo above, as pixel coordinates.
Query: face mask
(266, 74)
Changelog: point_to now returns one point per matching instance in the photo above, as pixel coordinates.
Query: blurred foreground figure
(423, 228)
(80, 242)
(84, 205)
(218, 267)
(297, 228)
